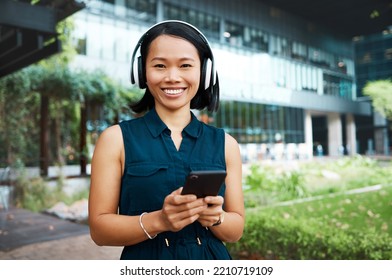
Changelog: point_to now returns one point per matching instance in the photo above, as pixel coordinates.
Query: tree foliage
(20, 95)
(64, 30)
(19, 113)
(67, 91)
(55, 82)
(381, 94)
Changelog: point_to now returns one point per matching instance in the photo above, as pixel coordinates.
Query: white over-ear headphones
(208, 73)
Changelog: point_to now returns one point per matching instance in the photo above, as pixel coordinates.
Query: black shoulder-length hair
(204, 98)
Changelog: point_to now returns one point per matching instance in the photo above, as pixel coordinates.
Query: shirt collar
(193, 129)
(156, 126)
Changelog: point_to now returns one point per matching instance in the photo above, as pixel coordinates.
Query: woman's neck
(177, 120)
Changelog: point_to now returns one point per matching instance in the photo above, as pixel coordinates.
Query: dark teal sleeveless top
(154, 168)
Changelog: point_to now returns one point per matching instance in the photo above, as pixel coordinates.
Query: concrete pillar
(350, 135)
(381, 141)
(308, 135)
(380, 134)
(335, 139)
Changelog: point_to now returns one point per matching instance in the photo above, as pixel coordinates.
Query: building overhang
(28, 32)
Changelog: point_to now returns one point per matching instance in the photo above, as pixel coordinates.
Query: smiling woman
(139, 166)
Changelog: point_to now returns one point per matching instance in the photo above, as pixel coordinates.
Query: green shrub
(266, 186)
(34, 193)
(271, 237)
(290, 185)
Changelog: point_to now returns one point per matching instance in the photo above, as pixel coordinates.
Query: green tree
(102, 100)
(55, 83)
(18, 119)
(47, 103)
(381, 94)
(56, 86)
(94, 90)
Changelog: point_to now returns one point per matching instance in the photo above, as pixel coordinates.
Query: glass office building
(288, 86)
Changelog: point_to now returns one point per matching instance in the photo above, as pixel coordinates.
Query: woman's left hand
(213, 213)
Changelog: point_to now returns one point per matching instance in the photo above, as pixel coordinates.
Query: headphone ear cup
(207, 73)
(142, 80)
(135, 72)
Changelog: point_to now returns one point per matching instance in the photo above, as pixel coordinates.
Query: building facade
(288, 86)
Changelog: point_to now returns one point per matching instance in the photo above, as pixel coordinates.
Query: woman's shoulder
(130, 122)
(232, 150)
(109, 141)
(221, 131)
(230, 141)
(111, 132)
(211, 128)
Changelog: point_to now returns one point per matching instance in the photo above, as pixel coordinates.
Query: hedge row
(269, 237)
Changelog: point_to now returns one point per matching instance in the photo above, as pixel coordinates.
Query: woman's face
(172, 72)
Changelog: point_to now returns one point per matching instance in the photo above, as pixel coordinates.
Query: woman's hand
(213, 214)
(179, 210)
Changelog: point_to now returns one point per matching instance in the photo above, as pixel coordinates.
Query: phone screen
(204, 183)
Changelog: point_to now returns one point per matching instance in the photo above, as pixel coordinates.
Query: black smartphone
(204, 183)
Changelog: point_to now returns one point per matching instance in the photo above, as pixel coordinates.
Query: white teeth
(173, 91)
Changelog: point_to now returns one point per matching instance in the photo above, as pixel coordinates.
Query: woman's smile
(173, 92)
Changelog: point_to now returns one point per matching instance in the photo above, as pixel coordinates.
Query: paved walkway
(72, 248)
(25, 235)
(31, 236)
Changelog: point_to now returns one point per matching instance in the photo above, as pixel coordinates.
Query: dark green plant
(19, 113)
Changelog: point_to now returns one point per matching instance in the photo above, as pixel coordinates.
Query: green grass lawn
(362, 211)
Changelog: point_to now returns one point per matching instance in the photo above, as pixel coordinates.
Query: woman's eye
(186, 65)
(159, 66)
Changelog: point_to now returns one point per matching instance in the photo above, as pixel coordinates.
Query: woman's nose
(173, 75)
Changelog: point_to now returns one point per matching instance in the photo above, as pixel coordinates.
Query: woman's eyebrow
(163, 58)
